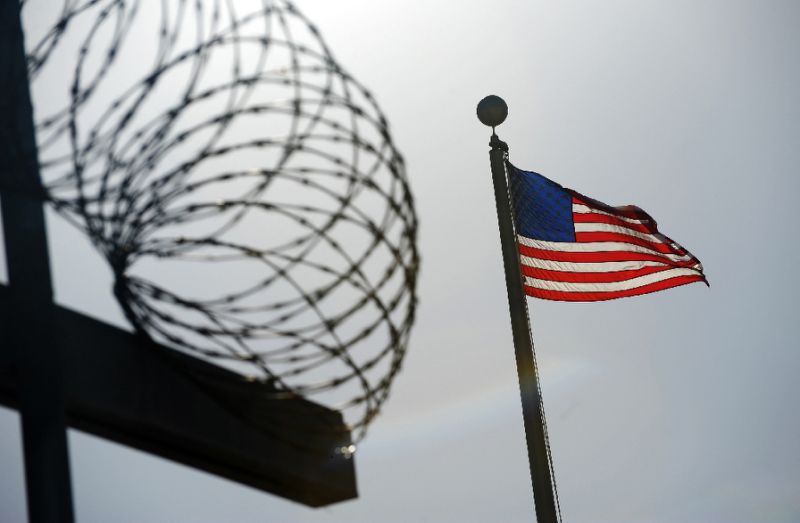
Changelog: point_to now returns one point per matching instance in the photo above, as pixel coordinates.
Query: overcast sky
(673, 407)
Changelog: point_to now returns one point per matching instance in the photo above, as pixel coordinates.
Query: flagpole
(492, 111)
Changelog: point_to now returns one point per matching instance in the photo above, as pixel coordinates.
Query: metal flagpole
(27, 328)
(492, 111)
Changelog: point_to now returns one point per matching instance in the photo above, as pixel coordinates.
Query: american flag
(575, 248)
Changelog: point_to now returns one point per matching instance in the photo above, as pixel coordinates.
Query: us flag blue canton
(575, 248)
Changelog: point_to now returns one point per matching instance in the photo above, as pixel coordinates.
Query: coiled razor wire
(243, 187)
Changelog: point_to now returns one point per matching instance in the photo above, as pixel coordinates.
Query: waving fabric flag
(575, 248)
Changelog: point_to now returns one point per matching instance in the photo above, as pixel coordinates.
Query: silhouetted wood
(28, 333)
(127, 389)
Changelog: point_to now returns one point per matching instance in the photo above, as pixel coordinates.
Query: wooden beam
(127, 389)
(30, 336)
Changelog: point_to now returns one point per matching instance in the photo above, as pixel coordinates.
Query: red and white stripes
(617, 252)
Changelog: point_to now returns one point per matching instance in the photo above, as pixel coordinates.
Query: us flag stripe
(597, 218)
(566, 266)
(591, 237)
(602, 296)
(602, 247)
(601, 256)
(621, 285)
(606, 227)
(579, 209)
(590, 277)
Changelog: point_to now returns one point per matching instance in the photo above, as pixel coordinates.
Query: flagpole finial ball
(492, 111)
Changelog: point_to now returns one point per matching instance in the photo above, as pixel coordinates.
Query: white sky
(677, 406)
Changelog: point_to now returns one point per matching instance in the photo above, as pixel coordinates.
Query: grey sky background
(674, 407)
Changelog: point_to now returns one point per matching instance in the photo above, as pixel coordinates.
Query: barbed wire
(243, 187)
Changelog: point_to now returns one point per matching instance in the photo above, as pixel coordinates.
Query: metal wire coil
(243, 187)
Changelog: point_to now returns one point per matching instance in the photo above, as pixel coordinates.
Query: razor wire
(243, 187)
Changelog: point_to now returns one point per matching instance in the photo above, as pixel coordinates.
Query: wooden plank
(30, 336)
(127, 389)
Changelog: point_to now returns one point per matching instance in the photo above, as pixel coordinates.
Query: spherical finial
(492, 111)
